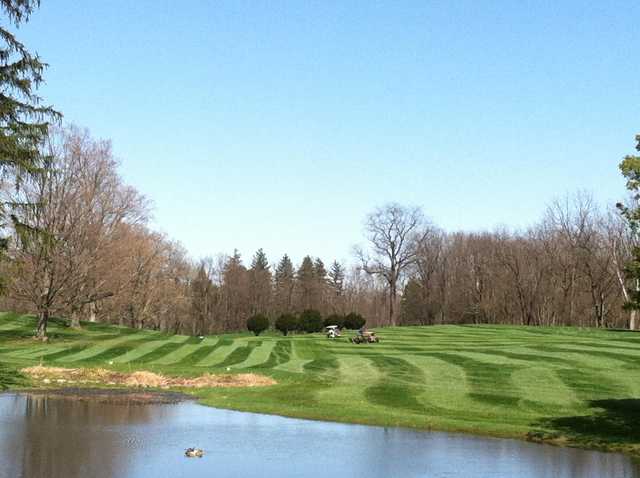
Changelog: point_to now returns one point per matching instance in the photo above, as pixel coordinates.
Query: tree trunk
(92, 312)
(75, 319)
(392, 301)
(43, 319)
(633, 320)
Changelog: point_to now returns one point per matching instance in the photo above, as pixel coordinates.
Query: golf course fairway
(577, 387)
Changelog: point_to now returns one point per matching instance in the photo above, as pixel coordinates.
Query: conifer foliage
(24, 121)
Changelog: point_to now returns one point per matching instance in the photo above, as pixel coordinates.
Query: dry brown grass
(145, 379)
(142, 379)
(228, 380)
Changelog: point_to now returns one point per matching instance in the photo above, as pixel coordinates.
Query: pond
(54, 437)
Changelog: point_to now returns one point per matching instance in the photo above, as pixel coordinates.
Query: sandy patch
(141, 379)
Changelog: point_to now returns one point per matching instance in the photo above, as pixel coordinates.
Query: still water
(48, 437)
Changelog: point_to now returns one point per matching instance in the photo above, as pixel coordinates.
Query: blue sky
(281, 124)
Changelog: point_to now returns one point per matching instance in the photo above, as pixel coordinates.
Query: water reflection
(53, 437)
(59, 438)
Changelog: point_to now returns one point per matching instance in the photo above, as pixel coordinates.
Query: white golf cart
(333, 331)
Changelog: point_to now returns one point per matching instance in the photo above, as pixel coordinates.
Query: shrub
(286, 323)
(257, 324)
(354, 321)
(311, 321)
(334, 319)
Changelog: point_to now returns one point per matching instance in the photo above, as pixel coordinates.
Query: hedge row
(309, 321)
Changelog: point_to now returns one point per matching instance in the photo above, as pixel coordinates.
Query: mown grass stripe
(224, 348)
(110, 349)
(540, 384)
(38, 352)
(65, 353)
(280, 354)
(110, 354)
(139, 353)
(187, 349)
(299, 356)
(490, 382)
(589, 385)
(159, 352)
(587, 357)
(11, 326)
(240, 354)
(204, 350)
(259, 354)
(396, 389)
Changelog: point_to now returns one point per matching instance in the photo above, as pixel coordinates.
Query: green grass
(579, 387)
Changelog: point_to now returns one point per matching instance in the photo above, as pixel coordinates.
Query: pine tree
(305, 282)
(284, 271)
(24, 122)
(284, 283)
(259, 261)
(336, 288)
(336, 278)
(235, 287)
(320, 292)
(201, 297)
(320, 270)
(412, 305)
(260, 283)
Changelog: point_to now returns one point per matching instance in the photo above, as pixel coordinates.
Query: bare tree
(621, 241)
(66, 219)
(394, 233)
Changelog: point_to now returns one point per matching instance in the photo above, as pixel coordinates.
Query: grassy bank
(560, 385)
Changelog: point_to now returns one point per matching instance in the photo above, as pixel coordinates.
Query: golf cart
(333, 331)
(365, 337)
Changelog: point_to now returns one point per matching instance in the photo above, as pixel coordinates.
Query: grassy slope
(580, 387)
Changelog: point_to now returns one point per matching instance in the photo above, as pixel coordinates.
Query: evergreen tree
(235, 292)
(284, 284)
(336, 287)
(336, 278)
(201, 299)
(260, 283)
(259, 261)
(305, 281)
(319, 298)
(319, 270)
(630, 168)
(257, 324)
(310, 321)
(24, 121)
(286, 323)
(412, 304)
(235, 260)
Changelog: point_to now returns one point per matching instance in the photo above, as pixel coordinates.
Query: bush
(311, 321)
(286, 323)
(257, 324)
(354, 321)
(334, 319)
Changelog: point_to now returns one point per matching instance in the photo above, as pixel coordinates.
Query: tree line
(568, 269)
(81, 247)
(77, 243)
